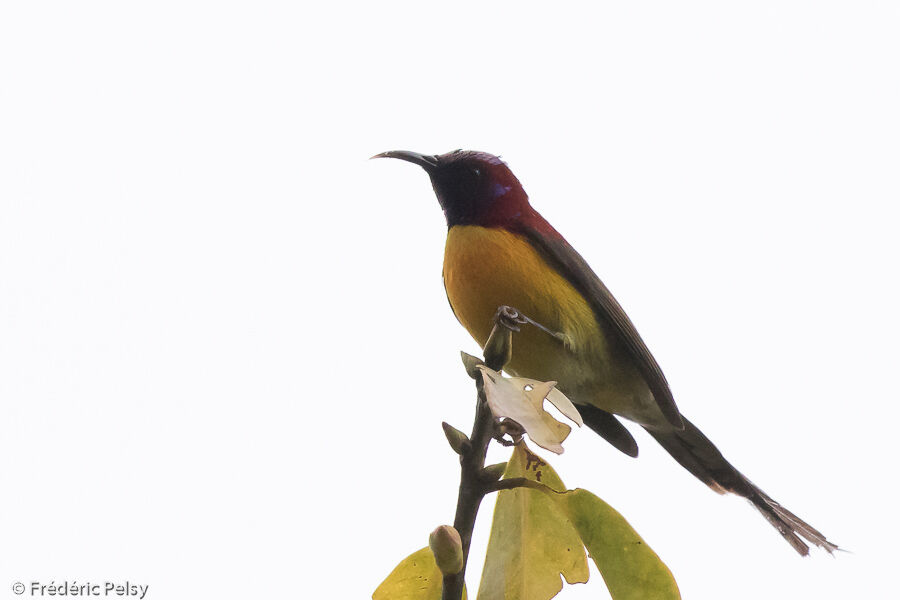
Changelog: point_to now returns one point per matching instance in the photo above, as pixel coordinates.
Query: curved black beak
(427, 162)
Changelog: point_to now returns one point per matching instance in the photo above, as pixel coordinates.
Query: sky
(225, 348)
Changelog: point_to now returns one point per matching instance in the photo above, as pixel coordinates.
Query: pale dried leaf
(565, 406)
(522, 400)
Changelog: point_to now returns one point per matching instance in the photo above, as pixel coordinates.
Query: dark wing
(561, 256)
(609, 428)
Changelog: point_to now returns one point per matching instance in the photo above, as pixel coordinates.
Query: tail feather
(697, 454)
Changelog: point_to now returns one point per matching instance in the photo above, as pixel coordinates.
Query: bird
(501, 252)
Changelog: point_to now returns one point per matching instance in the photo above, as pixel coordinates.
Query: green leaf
(417, 577)
(532, 542)
(630, 568)
(529, 526)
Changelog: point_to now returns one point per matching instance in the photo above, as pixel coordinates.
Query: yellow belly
(485, 268)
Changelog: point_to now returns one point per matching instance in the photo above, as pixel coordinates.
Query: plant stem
(520, 482)
(472, 487)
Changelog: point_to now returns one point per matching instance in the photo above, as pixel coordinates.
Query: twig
(519, 482)
(472, 487)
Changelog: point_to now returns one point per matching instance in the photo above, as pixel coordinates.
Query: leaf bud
(456, 438)
(498, 348)
(471, 363)
(494, 472)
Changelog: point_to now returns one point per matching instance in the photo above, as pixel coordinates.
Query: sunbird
(502, 252)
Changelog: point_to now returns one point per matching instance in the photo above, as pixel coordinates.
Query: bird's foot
(510, 428)
(511, 318)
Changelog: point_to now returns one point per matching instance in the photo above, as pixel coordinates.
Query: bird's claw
(511, 318)
(507, 427)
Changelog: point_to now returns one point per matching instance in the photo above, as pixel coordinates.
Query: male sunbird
(500, 251)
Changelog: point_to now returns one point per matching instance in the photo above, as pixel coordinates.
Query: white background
(225, 350)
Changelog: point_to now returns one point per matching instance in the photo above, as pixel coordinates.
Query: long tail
(699, 456)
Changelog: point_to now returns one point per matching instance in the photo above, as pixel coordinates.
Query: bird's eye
(477, 172)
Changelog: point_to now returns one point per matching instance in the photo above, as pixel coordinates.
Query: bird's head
(473, 188)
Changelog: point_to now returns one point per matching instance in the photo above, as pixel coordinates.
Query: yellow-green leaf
(630, 568)
(417, 577)
(532, 542)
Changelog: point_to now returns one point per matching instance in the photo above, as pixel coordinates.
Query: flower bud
(446, 546)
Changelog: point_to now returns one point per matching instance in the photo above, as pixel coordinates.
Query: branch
(472, 487)
(519, 482)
